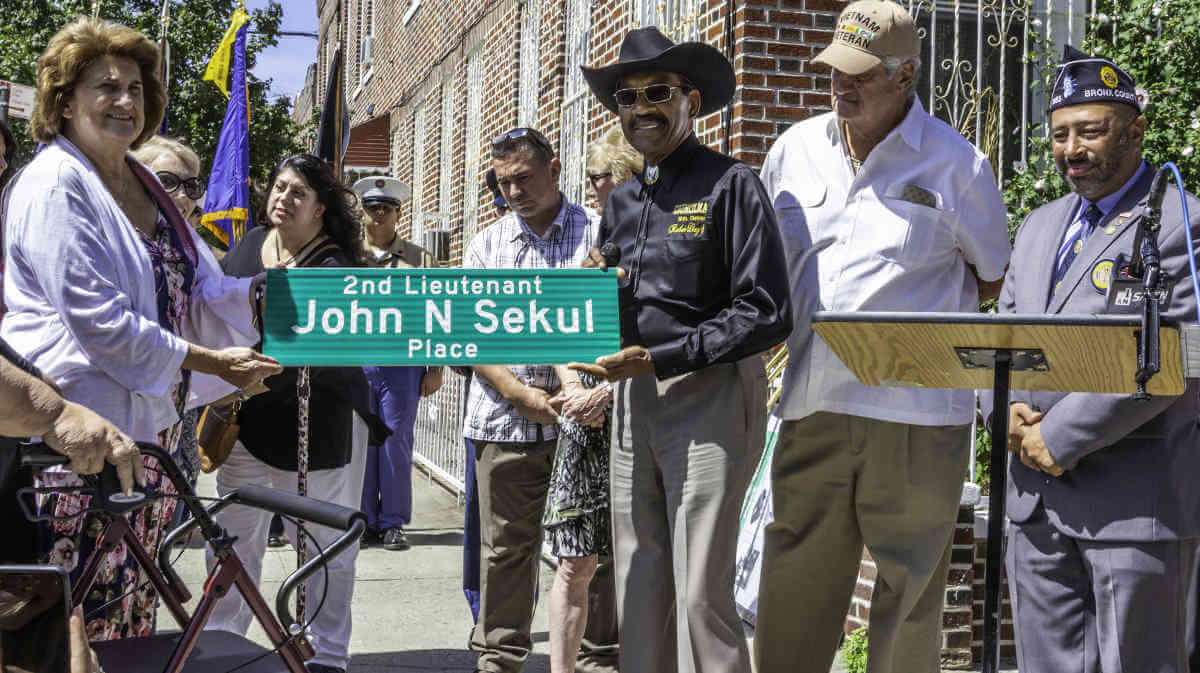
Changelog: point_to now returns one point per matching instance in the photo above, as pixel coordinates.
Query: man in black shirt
(703, 292)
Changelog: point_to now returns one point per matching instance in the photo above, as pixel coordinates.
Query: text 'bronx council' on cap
(1087, 79)
(867, 32)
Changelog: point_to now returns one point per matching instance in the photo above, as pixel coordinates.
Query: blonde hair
(614, 154)
(75, 47)
(158, 145)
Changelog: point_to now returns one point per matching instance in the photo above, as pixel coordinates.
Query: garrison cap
(1086, 79)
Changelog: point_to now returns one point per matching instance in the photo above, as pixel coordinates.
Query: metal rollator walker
(192, 649)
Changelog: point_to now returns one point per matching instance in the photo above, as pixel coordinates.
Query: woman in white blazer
(109, 292)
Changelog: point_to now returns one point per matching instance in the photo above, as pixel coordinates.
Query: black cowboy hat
(646, 49)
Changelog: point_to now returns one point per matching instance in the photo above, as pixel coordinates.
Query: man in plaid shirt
(508, 415)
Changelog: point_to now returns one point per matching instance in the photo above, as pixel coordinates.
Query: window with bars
(576, 98)
(446, 172)
(471, 153)
(366, 41)
(418, 172)
(322, 70)
(677, 19)
(531, 22)
(355, 67)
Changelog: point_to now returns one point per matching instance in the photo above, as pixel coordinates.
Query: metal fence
(981, 63)
(437, 435)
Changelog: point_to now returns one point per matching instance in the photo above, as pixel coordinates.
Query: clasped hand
(1025, 439)
(585, 406)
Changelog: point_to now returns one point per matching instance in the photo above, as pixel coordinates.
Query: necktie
(1073, 243)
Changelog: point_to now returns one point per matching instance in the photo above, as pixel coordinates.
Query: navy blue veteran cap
(382, 189)
(1085, 79)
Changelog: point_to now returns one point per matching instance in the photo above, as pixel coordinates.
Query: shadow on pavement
(452, 538)
(432, 661)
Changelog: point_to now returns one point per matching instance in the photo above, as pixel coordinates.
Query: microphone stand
(1145, 264)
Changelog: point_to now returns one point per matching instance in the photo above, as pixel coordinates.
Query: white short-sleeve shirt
(923, 206)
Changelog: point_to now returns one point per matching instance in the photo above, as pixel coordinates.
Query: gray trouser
(841, 482)
(1082, 606)
(683, 450)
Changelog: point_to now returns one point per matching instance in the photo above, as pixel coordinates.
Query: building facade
(450, 75)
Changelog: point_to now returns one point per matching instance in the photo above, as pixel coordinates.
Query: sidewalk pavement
(409, 612)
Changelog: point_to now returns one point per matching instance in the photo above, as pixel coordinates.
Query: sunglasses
(531, 135)
(654, 94)
(193, 187)
(597, 177)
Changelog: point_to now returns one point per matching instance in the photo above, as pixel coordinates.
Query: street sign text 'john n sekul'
(351, 317)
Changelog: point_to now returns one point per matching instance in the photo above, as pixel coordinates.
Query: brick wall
(772, 45)
(958, 612)
(1008, 647)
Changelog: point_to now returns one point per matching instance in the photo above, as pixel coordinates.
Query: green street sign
(352, 317)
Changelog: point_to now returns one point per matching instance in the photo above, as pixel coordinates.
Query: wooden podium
(1064, 353)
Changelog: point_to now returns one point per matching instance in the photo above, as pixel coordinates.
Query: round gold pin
(1110, 229)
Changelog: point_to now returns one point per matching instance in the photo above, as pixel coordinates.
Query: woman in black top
(307, 223)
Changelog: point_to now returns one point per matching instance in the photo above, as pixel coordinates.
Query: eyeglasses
(598, 177)
(529, 134)
(193, 187)
(654, 94)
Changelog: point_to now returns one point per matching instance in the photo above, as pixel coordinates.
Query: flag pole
(339, 121)
(164, 66)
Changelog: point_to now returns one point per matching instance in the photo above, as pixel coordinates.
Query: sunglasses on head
(654, 94)
(522, 133)
(193, 187)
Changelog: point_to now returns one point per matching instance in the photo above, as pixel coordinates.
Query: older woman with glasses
(111, 294)
(177, 168)
(611, 160)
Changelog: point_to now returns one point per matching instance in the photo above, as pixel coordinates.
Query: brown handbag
(216, 433)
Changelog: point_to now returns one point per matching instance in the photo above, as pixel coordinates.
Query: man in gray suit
(1104, 499)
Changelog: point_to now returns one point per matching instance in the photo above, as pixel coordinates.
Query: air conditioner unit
(366, 49)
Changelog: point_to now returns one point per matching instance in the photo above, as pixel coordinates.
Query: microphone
(1151, 221)
(611, 253)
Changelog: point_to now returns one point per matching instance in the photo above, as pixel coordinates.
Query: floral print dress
(576, 517)
(122, 602)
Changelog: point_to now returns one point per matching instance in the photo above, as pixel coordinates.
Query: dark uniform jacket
(1132, 467)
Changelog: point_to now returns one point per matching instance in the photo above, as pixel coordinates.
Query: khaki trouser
(841, 481)
(683, 451)
(513, 480)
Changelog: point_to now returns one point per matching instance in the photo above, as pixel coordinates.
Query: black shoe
(276, 541)
(394, 539)
(322, 668)
(370, 538)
